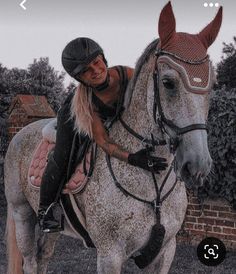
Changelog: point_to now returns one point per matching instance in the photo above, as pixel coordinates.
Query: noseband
(158, 113)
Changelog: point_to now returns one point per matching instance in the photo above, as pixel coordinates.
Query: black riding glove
(143, 159)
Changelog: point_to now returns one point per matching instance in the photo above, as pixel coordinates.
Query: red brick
(224, 223)
(206, 220)
(188, 225)
(206, 207)
(217, 229)
(190, 219)
(194, 207)
(207, 228)
(217, 235)
(221, 208)
(188, 212)
(227, 230)
(198, 232)
(227, 215)
(210, 213)
(197, 226)
(231, 237)
(234, 231)
(196, 213)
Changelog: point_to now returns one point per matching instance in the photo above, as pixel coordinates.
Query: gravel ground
(71, 257)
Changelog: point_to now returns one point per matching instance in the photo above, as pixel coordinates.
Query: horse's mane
(142, 59)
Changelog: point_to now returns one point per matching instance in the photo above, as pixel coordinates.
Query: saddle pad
(39, 161)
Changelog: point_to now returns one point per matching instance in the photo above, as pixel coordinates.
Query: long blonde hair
(82, 110)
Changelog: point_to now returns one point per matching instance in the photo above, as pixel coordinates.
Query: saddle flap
(79, 177)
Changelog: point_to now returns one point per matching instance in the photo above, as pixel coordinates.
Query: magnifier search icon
(211, 251)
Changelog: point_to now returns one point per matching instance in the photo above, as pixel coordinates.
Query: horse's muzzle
(192, 178)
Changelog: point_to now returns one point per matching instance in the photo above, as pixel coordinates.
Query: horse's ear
(166, 25)
(209, 33)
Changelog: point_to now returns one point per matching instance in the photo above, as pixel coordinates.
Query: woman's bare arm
(105, 142)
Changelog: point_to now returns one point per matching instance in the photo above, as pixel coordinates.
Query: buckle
(156, 206)
(150, 163)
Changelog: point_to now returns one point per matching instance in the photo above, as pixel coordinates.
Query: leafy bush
(222, 145)
(226, 69)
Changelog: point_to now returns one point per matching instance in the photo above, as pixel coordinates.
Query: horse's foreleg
(45, 250)
(162, 262)
(109, 264)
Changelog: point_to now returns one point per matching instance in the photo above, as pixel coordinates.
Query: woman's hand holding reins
(143, 159)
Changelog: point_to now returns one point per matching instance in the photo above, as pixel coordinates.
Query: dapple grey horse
(167, 100)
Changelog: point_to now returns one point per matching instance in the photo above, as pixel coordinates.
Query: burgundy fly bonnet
(187, 53)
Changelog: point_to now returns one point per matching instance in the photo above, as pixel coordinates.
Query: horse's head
(182, 84)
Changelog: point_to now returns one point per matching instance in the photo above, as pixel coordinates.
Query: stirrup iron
(48, 223)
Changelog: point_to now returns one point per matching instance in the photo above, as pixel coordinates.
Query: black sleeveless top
(106, 111)
(68, 139)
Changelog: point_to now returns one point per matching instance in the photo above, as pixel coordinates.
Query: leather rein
(161, 121)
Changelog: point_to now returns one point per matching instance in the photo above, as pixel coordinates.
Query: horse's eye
(168, 84)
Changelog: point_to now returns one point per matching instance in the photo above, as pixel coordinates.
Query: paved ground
(72, 258)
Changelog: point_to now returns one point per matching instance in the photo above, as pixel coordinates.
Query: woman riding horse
(98, 98)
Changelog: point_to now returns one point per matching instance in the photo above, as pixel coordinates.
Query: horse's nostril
(185, 171)
(186, 175)
(186, 168)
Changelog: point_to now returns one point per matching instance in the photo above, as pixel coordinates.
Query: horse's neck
(140, 119)
(136, 115)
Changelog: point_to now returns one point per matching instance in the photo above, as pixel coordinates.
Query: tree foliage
(226, 69)
(44, 80)
(222, 145)
(222, 130)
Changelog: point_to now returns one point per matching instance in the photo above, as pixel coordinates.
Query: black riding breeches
(57, 164)
(65, 134)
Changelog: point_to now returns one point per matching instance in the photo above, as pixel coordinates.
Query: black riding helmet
(78, 54)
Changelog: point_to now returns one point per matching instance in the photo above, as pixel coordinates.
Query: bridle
(158, 113)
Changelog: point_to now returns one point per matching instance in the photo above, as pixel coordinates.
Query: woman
(99, 97)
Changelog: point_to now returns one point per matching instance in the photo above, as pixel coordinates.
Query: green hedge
(221, 182)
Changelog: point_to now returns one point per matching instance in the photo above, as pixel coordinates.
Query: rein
(156, 203)
(142, 139)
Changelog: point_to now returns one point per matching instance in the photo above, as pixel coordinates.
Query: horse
(166, 108)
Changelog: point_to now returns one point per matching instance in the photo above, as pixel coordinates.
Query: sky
(123, 28)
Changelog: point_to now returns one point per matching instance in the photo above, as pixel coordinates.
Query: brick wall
(212, 218)
(18, 119)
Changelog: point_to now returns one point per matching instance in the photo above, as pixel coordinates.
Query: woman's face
(95, 73)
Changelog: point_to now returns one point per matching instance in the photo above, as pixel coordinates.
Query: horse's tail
(14, 257)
